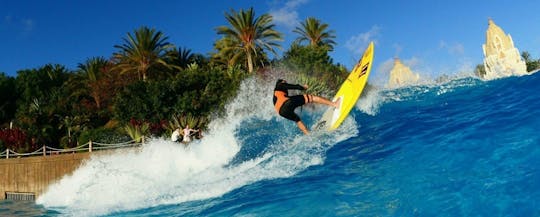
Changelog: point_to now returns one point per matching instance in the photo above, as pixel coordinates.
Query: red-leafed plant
(15, 139)
(158, 128)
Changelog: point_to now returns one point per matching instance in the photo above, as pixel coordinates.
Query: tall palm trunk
(97, 99)
(249, 62)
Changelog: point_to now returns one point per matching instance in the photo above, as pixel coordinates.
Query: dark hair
(279, 81)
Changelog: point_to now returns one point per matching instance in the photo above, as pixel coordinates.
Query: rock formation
(401, 75)
(501, 58)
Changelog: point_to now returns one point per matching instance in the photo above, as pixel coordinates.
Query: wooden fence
(31, 173)
(88, 147)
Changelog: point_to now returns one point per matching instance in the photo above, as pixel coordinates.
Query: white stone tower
(401, 75)
(501, 58)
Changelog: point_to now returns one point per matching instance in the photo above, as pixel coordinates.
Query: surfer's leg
(302, 127)
(287, 111)
(322, 100)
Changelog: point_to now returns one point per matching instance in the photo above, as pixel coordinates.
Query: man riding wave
(285, 104)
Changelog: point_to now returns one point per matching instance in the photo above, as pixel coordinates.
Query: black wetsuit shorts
(287, 109)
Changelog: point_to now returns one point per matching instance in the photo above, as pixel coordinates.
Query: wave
(374, 97)
(250, 144)
(227, 158)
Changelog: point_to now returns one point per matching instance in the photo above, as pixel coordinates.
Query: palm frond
(137, 132)
(252, 34)
(142, 51)
(316, 33)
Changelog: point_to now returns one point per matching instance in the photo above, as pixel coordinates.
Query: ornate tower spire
(501, 58)
(401, 75)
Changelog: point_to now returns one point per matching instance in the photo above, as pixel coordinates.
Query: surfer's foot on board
(336, 103)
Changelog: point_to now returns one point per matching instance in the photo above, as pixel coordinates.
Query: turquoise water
(463, 148)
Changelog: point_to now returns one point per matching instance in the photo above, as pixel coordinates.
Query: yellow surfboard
(348, 93)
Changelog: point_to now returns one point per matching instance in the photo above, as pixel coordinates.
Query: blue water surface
(463, 148)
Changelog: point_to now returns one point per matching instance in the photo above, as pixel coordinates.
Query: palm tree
(92, 69)
(143, 52)
(226, 52)
(316, 33)
(530, 62)
(73, 125)
(182, 57)
(252, 35)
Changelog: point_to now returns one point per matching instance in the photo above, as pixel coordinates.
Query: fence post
(90, 146)
(44, 151)
(7, 153)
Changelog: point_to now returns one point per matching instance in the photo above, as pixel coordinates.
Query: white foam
(370, 101)
(163, 172)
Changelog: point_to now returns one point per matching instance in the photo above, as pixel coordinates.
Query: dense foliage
(60, 108)
(7, 98)
(15, 139)
(314, 67)
(147, 88)
(531, 63)
(192, 91)
(41, 102)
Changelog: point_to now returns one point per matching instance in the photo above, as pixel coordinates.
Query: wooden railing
(88, 147)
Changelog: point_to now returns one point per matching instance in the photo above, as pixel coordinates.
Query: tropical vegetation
(311, 62)
(150, 86)
(531, 63)
(249, 35)
(143, 54)
(316, 33)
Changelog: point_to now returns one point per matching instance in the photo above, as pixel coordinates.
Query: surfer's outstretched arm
(286, 86)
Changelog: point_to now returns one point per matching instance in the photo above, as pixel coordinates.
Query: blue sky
(432, 37)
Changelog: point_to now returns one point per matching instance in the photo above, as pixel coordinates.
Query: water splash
(163, 172)
(370, 101)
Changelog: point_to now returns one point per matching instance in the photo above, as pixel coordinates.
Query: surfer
(285, 104)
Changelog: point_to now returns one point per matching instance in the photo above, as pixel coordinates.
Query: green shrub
(103, 135)
(199, 91)
(313, 66)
